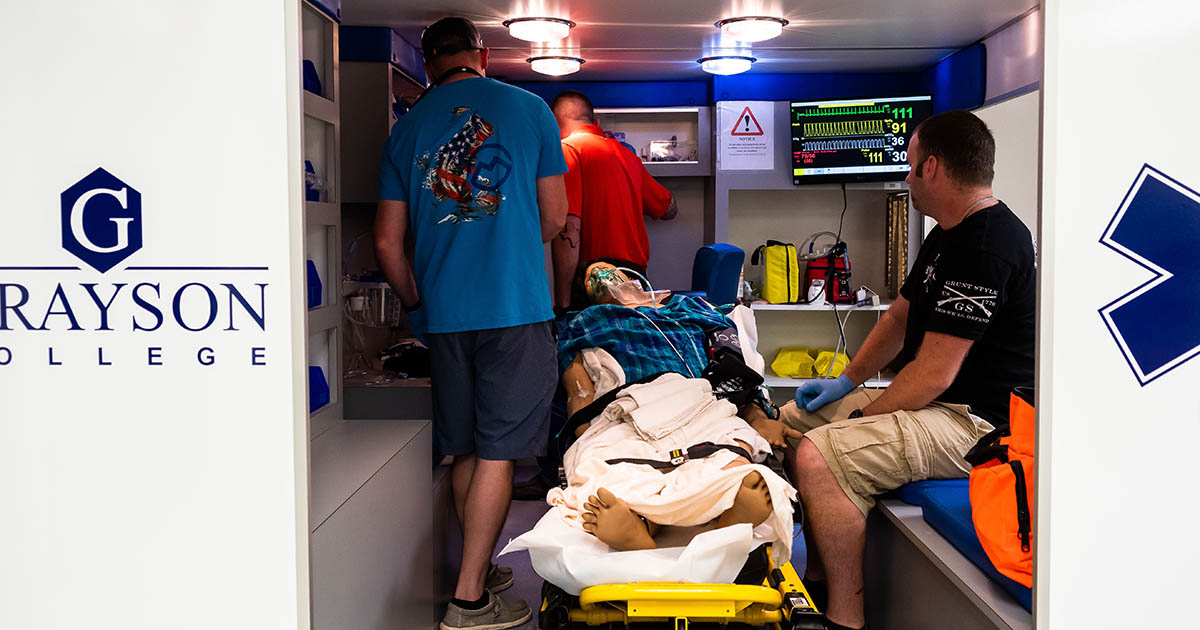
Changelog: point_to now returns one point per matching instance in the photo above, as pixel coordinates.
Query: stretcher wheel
(556, 607)
(807, 621)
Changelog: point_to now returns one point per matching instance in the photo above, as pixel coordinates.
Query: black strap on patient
(594, 408)
(679, 456)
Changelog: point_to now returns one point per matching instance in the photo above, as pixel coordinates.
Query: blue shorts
(492, 391)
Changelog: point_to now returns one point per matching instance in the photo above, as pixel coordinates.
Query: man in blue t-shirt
(473, 175)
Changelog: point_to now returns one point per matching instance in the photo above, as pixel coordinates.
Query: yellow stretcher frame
(781, 603)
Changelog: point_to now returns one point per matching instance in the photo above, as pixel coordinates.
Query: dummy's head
(572, 109)
(950, 154)
(452, 42)
(608, 284)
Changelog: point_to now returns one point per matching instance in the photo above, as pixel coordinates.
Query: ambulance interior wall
(1015, 125)
(673, 243)
(756, 216)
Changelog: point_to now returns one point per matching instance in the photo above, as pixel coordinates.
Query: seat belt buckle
(677, 457)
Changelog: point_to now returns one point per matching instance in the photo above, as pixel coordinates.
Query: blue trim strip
(750, 86)
(628, 93)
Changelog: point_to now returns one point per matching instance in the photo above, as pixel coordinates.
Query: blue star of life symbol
(1157, 325)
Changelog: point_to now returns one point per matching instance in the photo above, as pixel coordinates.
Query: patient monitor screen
(856, 140)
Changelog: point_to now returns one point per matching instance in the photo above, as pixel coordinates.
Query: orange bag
(1001, 487)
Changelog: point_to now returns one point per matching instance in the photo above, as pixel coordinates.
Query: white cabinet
(322, 211)
(672, 141)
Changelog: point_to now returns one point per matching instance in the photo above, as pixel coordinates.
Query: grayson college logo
(101, 220)
(138, 315)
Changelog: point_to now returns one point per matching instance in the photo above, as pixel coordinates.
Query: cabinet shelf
(321, 108)
(778, 381)
(823, 307)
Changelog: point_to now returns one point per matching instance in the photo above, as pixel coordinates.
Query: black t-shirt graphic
(977, 281)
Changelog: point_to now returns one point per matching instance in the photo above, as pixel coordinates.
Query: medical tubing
(810, 242)
(668, 340)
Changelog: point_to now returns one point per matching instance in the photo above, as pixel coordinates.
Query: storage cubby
(322, 215)
(644, 128)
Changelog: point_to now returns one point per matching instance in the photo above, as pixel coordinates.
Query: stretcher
(780, 603)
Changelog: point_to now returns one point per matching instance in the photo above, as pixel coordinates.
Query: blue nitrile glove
(817, 393)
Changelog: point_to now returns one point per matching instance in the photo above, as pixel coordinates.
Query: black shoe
(533, 490)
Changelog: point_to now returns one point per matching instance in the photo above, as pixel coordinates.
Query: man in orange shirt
(608, 194)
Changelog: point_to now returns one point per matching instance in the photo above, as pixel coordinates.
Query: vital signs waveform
(852, 110)
(838, 145)
(844, 128)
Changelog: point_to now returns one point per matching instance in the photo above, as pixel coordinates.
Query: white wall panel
(1115, 521)
(139, 494)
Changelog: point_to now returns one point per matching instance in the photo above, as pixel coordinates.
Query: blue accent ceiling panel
(380, 43)
(958, 81)
(332, 8)
(628, 93)
(751, 86)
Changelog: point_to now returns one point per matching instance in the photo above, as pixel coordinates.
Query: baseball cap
(448, 36)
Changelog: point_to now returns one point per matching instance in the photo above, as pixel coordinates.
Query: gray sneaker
(498, 578)
(496, 615)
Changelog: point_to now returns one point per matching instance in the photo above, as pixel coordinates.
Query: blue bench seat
(911, 493)
(948, 510)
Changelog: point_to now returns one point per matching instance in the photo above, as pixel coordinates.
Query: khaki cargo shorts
(874, 454)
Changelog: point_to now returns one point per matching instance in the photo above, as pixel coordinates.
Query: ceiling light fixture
(555, 65)
(539, 29)
(752, 28)
(725, 64)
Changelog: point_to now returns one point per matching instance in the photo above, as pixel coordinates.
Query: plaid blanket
(635, 336)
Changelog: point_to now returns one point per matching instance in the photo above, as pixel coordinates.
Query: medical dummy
(636, 466)
(665, 482)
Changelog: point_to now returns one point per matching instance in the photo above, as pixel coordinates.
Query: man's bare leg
(610, 519)
(839, 530)
(814, 570)
(488, 496)
(460, 480)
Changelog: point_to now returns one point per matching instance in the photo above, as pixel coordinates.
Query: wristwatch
(409, 309)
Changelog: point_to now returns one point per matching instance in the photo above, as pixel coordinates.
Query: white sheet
(692, 494)
(747, 327)
(573, 559)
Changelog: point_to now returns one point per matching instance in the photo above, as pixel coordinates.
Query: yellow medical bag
(781, 272)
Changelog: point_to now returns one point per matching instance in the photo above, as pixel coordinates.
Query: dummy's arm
(580, 389)
(774, 432)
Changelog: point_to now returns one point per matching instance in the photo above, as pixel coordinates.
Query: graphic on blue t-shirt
(455, 171)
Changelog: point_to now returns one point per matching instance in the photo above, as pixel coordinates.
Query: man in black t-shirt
(963, 330)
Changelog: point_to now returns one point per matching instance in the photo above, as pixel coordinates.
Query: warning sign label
(748, 144)
(746, 125)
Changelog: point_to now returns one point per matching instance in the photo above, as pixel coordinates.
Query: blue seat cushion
(911, 493)
(948, 510)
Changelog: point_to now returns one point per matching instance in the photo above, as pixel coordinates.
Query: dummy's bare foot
(610, 519)
(752, 504)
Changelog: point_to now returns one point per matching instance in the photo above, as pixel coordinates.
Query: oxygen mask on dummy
(608, 284)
